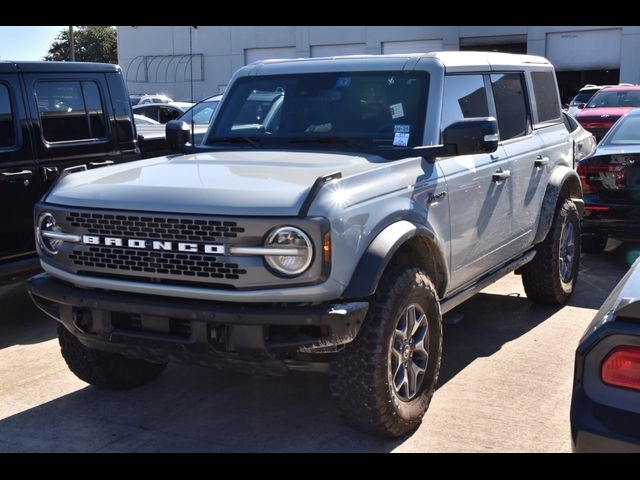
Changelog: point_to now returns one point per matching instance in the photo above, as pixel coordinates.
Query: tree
(92, 44)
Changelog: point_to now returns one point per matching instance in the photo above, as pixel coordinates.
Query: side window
(511, 105)
(70, 110)
(7, 126)
(546, 93)
(167, 114)
(464, 97)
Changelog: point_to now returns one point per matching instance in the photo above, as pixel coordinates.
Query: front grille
(165, 228)
(182, 264)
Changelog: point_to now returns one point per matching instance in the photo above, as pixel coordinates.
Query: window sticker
(401, 139)
(396, 111)
(343, 82)
(401, 128)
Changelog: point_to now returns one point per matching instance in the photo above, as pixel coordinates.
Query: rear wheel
(105, 369)
(551, 276)
(385, 378)
(594, 243)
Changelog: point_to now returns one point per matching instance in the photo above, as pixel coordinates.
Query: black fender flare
(381, 250)
(562, 178)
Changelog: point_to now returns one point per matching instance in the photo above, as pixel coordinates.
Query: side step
(452, 302)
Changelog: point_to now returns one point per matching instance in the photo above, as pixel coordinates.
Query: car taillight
(621, 368)
(612, 176)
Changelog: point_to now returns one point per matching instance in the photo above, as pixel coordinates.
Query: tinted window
(7, 128)
(615, 98)
(65, 116)
(149, 112)
(546, 93)
(167, 114)
(464, 97)
(583, 97)
(511, 105)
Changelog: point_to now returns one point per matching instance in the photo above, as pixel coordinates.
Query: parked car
(606, 107)
(582, 98)
(141, 120)
(584, 143)
(611, 184)
(605, 404)
(147, 98)
(55, 117)
(335, 210)
(153, 138)
(162, 112)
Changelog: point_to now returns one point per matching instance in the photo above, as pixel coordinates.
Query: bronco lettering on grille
(215, 249)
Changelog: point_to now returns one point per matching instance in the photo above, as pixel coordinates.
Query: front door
(18, 186)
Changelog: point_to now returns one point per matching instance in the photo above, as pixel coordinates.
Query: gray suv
(327, 227)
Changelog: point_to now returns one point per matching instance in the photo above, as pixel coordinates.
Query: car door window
(513, 115)
(167, 114)
(546, 95)
(7, 125)
(465, 96)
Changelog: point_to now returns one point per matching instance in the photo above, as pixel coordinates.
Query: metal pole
(72, 46)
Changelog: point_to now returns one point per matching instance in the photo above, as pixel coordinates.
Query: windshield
(583, 97)
(615, 98)
(625, 132)
(353, 109)
(200, 112)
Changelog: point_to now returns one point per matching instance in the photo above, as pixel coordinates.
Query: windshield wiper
(248, 140)
(347, 142)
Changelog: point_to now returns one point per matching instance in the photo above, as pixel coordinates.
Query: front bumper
(268, 337)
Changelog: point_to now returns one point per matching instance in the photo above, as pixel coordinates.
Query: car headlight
(47, 223)
(295, 240)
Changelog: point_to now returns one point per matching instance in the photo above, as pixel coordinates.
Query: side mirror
(581, 106)
(472, 135)
(178, 134)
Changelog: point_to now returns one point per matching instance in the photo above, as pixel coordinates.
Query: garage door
(336, 50)
(255, 54)
(413, 46)
(592, 50)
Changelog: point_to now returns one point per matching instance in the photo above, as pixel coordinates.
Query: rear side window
(7, 126)
(544, 89)
(511, 105)
(464, 97)
(70, 111)
(167, 114)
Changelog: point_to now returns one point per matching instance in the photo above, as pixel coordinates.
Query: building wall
(223, 49)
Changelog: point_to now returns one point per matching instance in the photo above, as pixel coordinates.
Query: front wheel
(551, 276)
(385, 378)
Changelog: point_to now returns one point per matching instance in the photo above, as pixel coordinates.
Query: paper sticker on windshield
(343, 82)
(401, 139)
(401, 128)
(396, 111)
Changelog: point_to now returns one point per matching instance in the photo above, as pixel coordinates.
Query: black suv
(54, 116)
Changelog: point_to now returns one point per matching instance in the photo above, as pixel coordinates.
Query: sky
(26, 43)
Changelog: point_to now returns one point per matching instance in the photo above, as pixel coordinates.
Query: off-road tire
(541, 277)
(105, 369)
(594, 243)
(360, 373)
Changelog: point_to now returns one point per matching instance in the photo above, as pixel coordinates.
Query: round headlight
(294, 239)
(47, 223)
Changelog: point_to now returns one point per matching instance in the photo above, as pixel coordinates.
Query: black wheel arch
(402, 242)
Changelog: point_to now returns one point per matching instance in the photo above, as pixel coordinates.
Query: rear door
(18, 186)
(72, 115)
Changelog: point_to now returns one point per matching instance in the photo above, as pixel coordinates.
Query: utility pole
(72, 46)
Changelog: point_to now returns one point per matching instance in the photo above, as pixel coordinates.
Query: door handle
(494, 156)
(541, 161)
(500, 175)
(101, 164)
(15, 176)
(50, 172)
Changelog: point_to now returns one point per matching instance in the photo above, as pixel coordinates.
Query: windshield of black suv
(615, 98)
(200, 112)
(349, 109)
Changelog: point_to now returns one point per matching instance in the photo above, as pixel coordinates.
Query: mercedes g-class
(330, 232)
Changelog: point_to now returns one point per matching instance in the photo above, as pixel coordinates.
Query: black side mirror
(472, 135)
(581, 105)
(178, 134)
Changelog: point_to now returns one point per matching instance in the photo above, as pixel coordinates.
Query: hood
(236, 182)
(612, 112)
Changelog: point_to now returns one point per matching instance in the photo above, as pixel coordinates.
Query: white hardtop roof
(448, 59)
